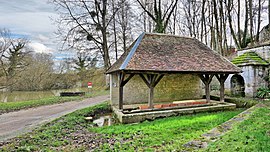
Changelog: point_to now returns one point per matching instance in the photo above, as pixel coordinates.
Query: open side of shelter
(153, 57)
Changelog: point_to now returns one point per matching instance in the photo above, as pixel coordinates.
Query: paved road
(16, 123)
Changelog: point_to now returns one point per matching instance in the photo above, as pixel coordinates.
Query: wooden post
(121, 97)
(206, 79)
(151, 98)
(121, 77)
(222, 78)
(151, 81)
(122, 82)
(207, 92)
(222, 90)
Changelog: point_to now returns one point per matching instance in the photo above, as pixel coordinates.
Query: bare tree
(87, 22)
(5, 42)
(38, 75)
(161, 13)
(13, 61)
(250, 8)
(268, 11)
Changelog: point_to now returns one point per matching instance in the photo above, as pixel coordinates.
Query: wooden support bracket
(206, 79)
(122, 83)
(151, 81)
(222, 78)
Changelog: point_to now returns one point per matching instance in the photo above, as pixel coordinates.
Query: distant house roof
(249, 58)
(153, 52)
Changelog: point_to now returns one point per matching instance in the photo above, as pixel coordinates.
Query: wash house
(164, 68)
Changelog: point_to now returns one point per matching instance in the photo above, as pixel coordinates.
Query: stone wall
(253, 75)
(264, 35)
(262, 51)
(253, 78)
(171, 88)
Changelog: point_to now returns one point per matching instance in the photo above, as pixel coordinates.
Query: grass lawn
(13, 106)
(252, 134)
(73, 133)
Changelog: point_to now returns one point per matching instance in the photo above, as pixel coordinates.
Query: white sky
(32, 19)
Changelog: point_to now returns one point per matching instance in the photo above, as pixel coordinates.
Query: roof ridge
(131, 53)
(165, 34)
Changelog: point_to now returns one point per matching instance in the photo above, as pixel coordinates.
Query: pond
(32, 95)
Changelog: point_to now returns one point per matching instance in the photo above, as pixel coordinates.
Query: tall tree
(86, 20)
(268, 11)
(5, 42)
(239, 36)
(258, 20)
(250, 5)
(159, 16)
(38, 75)
(13, 61)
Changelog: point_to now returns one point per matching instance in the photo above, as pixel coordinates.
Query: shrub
(263, 93)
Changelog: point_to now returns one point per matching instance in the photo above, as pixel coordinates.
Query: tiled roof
(169, 53)
(249, 58)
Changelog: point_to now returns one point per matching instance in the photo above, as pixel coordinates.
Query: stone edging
(215, 133)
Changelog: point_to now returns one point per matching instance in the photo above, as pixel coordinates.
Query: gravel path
(16, 123)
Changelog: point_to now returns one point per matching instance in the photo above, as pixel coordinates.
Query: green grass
(54, 134)
(13, 106)
(240, 101)
(252, 134)
(166, 134)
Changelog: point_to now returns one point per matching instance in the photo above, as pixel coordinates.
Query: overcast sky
(31, 19)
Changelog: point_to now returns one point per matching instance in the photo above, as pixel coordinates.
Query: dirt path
(16, 123)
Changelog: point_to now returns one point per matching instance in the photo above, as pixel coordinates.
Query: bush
(263, 93)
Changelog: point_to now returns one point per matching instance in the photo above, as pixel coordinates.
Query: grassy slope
(251, 135)
(13, 106)
(163, 134)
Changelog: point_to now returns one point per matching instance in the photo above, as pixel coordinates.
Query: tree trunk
(244, 40)
(124, 25)
(259, 22)
(251, 21)
(105, 49)
(268, 11)
(203, 20)
(114, 32)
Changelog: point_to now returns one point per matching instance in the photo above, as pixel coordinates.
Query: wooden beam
(121, 97)
(151, 81)
(206, 79)
(207, 92)
(222, 78)
(158, 79)
(145, 81)
(128, 78)
(176, 72)
(151, 98)
(122, 83)
(121, 77)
